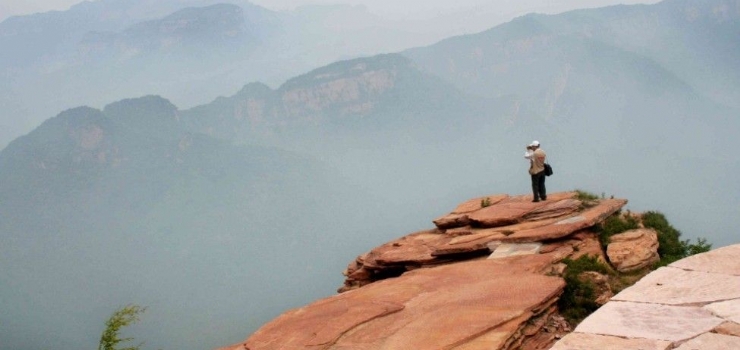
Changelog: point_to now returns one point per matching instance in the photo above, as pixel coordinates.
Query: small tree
(121, 318)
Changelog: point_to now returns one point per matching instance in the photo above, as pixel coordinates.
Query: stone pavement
(691, 304)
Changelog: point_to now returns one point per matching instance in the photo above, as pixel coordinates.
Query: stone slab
(568, 226)
(585, 341)
(729, 310)
(708, 341)
(451, 221)
(672, 286)
(721, 260)
(555, 209)
(649, 321)
(502, 214)
(511, 249)
(433, 308)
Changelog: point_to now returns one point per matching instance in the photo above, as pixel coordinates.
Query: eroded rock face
(633, 250)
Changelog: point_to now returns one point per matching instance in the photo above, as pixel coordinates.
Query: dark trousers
(538, 186)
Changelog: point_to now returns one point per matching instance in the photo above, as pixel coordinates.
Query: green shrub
(613, 225)
(585, 263)
(701, 246)
(578, 299)
(485, 202)
(585, 196)
(672, 248)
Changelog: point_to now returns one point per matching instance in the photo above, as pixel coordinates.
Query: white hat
(535, 143)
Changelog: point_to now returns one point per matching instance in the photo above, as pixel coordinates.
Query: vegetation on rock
(615, 224)
(672, 248)
(485, 202)
(585, 195)
(579, 298)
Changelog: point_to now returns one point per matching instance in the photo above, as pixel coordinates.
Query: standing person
(536, 158)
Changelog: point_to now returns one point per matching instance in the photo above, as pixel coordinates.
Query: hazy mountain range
(221, 215)
(190, 51)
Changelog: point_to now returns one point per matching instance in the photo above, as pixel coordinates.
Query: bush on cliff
(578, 299)
(672, 248)
(613, 225)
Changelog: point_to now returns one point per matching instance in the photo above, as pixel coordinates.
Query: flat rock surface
(672, 286)
(505, 213)
(722, 260)
(649, 321)
(585, 341)
(423, 309)
(711, 341)
(729, 310)
(569, 225)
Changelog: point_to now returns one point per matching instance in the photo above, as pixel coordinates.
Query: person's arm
(529, 154)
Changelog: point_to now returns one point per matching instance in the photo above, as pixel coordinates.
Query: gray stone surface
(673, 286)
(511, 249)
(729, 310)
(585, 341)
(711, 341)
(649, 321)
(722, 260)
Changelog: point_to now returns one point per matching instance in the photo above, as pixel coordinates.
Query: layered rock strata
(486, 277)
(472, 230)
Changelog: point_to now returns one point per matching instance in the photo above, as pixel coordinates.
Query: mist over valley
(219, 213)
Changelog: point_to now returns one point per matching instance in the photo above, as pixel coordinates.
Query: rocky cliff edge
(488, 276)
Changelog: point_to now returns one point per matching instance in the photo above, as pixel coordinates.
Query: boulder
(633, 250)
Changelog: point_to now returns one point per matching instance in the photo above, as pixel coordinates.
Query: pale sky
(419, 9)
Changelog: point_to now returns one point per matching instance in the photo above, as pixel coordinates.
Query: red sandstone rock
(571, 224)
(452, 221)
(504, 213)
(587, 243)
(434, 308)
(555, 209)
(439, 301)
(633, 250)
